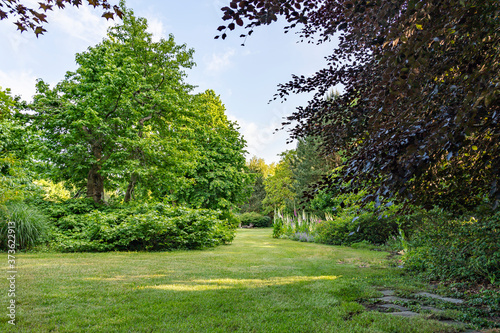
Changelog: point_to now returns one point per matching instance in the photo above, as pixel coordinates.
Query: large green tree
(422, 91)
(219, 179)
(123, 115)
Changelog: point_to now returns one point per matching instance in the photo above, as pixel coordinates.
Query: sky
(245, 77)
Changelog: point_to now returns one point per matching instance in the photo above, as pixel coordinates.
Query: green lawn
(257, 284)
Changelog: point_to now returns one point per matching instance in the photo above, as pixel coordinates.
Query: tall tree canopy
(218, 180)
(279, 187)
(122, 115)
(32, 18)
(422, 89)
(309, 167)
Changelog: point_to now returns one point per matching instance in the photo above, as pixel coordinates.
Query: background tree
(309, 167)
(124, 113)
(421, 87)
(218, 180)
(32, 18)
(16, 164)
(279, 187)
(258, 168)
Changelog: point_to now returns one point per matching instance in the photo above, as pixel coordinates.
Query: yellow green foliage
(55, 192)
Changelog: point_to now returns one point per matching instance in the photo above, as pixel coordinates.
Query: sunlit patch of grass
(126, 277)
(257, 284)
(214, 284)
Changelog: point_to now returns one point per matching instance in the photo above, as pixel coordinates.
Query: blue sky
(245, 77)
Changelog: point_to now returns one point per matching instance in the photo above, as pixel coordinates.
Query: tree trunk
(95, 182)
(130, 189)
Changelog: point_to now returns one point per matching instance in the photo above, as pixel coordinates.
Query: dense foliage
(416, 125)
(419, 115)
(259, 170)
(279, 187)
(144, 227)
(464, 249)
(218, 180)
(254, 219)
(123, 115)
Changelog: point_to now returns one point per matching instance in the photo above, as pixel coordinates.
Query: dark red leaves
(44, 6)
(32, 19)
(108, 15)
(39, 31)
(420, 91)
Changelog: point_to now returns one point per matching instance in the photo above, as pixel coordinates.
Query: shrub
(29, 225)
(255, 219)
(145, 227)
(363, 245)
(466, 248)
(57, 210)
(353, 228)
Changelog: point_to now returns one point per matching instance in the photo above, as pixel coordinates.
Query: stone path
(444, 299)
(386, 304)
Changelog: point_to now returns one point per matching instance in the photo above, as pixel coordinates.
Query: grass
(257, 284)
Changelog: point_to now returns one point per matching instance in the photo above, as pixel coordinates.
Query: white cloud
(262, 139)
(83, 23)
(218, 62)
(155, 26)
(16, 39)
(20, 82)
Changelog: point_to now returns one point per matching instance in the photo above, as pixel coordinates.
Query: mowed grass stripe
(257, 284)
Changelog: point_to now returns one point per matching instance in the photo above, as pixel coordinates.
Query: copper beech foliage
(31, 18)
(420, 113)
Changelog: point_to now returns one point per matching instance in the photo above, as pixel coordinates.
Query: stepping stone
(390, 299)
(431, 308)
(404, 314)
(394, 306)
(387, 292)
(441, 298)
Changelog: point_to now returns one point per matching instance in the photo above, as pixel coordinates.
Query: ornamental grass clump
(29, 225)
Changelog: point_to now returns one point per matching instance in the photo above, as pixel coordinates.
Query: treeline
(121, 154)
